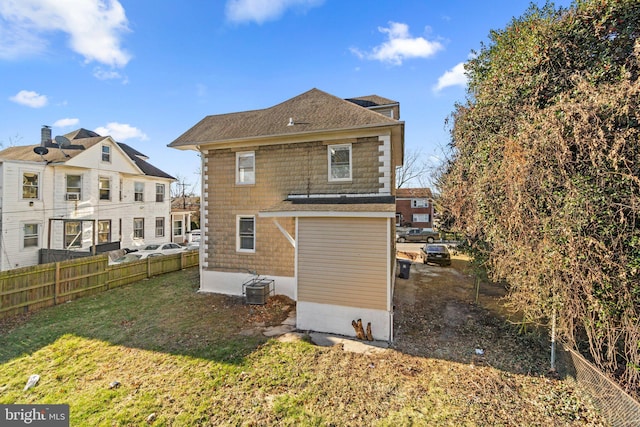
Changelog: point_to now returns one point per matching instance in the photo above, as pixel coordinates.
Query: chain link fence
(618, 407)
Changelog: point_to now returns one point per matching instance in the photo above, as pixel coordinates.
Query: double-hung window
(104, 189)
(106, 153)
(245, 167)
(30, 236)
(339, 160)
(74, 187)
(30, 185)
(138, 191)
(177, 228)
(159, 192)
(138, 228)
(246, 233)
(104, 231)
(160, 226)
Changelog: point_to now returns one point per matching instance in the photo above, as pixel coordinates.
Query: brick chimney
(45, 135)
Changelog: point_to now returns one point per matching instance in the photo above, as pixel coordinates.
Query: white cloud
(63, 123)
(121, 131)
(452, 77)
(264, 10)
(400, 46)
(30, 99)
(95, 28)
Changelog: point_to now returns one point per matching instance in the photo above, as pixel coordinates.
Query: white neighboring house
(78, 191)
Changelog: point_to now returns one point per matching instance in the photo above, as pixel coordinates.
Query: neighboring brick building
(414, 207)
(302, 193)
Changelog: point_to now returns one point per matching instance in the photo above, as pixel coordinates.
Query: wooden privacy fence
(30, 288)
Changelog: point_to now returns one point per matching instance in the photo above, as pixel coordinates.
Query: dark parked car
(428, 235)
(436, 254)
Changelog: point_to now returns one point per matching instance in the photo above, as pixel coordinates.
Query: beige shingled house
(302, 193)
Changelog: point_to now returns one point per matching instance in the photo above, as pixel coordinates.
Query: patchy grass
(195, 359)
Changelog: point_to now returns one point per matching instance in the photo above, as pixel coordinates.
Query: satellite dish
(41, 150)
(62, 141)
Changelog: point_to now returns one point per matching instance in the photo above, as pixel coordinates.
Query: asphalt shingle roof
(312, 111)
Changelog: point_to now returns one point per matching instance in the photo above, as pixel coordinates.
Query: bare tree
(415, 169)
(181, 187)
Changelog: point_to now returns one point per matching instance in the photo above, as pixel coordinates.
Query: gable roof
(372, 101)
(408, 193)
(312, 111)
(81, 140)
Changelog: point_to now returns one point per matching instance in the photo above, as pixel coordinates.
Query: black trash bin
(404, 267)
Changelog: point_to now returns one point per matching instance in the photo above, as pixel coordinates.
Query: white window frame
(177, 227)
(136, 192)
(31, 236)
(105, 156)
(138, 229)
(160, 195)
(331, 148)
(100, 188)
(67, 187)
(238, 236)
(419, 203)
(102, 233)
(37, 186)
(243, 177)
(416, 217)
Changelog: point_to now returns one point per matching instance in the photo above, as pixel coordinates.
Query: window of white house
(245, 167)
(160, 226)
(177, 228)
(159, 192)
(138, 191)
(104, 188)
(74, 187)
(72, 234)
(120, 190)
(339, 159)
(420, 217)
(106, 153)
(104, 231)
(138, 228)
(419, 203)
(30, 236)
(246, 234)
(30, 185)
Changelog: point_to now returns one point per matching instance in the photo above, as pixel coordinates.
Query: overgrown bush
(544, 173)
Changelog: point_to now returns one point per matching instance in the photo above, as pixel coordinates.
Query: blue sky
(145, 71)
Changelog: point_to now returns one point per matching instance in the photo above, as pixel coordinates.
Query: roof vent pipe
(45, 135)
(291, 123)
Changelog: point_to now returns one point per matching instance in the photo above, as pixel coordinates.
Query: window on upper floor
(339, 160)
(245, 167)
(104, 231)
(160, 226)
(106, 153)
(104, 188)
(30, 235)
(74, 187)
(138, 228)
(419, 203)
(138, 191)
(246, 234)
(30, 185)
(160, 192)
(72, 234)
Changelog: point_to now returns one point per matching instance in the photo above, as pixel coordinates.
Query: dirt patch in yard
(437, 315)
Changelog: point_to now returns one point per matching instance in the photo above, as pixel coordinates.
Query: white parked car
(162, 249)
(133, 256)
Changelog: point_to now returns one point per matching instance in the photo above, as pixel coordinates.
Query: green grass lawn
(191, 359)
